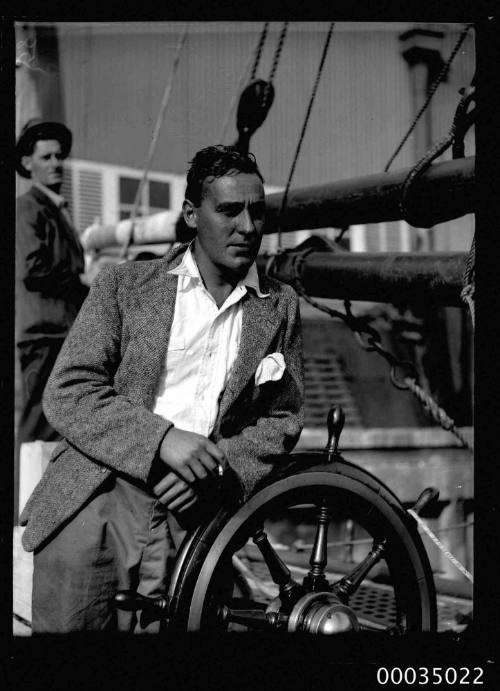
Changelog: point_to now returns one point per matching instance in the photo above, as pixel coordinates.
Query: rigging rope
(437, 413)
(258, 51)
(276, 59)
(300, 545)
(278, 50)
(462, 120)
(154, 141)
(441, 76)
(440, 545)
(303, 131)
(468, 290)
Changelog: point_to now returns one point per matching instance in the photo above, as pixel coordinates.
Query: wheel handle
(131, 601)
(335, 423)
(429, 495)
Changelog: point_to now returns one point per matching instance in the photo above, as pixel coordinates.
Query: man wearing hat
(49, 261)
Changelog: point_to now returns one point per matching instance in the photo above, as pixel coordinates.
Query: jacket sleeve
(80, 401)
(277, 428)
(43, 268)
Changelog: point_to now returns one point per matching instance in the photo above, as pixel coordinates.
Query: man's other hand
(191, 456)
(175, 493)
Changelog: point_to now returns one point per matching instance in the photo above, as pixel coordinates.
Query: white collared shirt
(202, 349)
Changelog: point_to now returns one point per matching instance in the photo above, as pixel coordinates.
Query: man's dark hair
(214, 162)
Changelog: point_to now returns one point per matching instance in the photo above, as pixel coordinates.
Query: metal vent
(67, 189)
(89, 197)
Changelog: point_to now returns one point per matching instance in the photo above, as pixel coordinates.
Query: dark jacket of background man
(49, 261)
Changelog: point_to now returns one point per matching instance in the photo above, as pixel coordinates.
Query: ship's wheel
(232, 575)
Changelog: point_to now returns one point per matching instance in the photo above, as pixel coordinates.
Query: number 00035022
(433, 676)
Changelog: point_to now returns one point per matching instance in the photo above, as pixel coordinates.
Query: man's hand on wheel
(191, 456)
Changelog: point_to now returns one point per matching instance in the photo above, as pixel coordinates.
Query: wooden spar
(150, 229)
(382, 277)
(444, 192)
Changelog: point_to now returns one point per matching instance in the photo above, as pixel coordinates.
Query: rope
(420, 167)
(274, 66)
(425, 162)
(258, 50)
(441, 76)
(304, 126)
(278, 50)
(455, 526)
(154, 140)
(436, 412)
(300, 545)
(468, 290)
(440, 545)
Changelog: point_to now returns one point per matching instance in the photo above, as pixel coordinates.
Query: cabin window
(155, 196)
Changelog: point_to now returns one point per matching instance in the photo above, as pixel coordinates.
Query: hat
(36, 129)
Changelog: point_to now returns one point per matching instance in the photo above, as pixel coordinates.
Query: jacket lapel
(152, 305)
(259, 325)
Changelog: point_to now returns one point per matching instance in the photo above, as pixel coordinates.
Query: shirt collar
(58, 200)
(188, 267)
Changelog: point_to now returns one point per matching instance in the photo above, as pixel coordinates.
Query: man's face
(229, 221)
(45, 163)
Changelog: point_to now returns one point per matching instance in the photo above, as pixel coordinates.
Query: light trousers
(122, 539)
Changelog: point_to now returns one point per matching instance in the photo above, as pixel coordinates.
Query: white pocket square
(270, 368)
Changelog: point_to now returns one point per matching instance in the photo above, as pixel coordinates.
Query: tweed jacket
(101, 391)
(49, 259)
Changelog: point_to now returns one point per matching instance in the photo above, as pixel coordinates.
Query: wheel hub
(321, 613)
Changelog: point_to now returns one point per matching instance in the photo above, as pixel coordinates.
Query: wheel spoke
(253, 618)
(280, 573)
(348, 585)
(315, 579)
